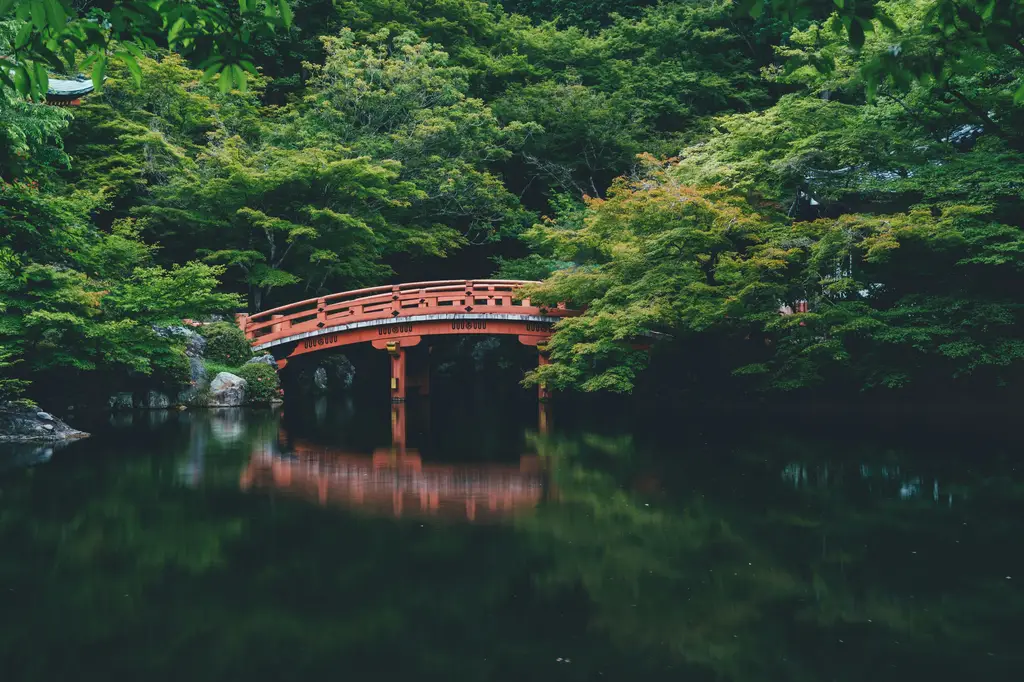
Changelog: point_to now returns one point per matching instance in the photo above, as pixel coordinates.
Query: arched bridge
(397, 317)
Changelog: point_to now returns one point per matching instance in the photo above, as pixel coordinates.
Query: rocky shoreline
(27, 424)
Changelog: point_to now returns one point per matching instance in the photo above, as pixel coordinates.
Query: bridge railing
(393, 302)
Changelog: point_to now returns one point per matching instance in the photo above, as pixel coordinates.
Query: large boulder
(341, 373)
(195, 344)
(267, 359)
(121, 401)
(22, 423)
(320, 380)
(155, 400)
(227, 390)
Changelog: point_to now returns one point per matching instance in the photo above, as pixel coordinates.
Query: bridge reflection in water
(395, 481)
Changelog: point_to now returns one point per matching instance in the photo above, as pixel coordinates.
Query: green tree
(53, 34)
(399, 98)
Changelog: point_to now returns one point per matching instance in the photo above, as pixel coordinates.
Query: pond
(343, 539)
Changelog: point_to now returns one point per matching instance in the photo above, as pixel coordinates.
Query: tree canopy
(690, 172)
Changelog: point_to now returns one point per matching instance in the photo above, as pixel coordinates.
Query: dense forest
(800, 196)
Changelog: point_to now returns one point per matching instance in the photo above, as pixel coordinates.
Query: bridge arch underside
(407, 332)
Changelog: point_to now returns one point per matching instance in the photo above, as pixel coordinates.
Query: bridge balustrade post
(396, 299)
(321, 312)
(242, 320)
(280, 326)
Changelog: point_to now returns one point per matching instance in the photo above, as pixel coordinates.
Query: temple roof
(71, 88)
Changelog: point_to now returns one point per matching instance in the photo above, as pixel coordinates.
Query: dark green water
(260, 546)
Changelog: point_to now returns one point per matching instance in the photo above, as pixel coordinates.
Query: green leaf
(172, 34)
(239, 77)
(286, 12)
(5, 6)
(134, 49)
(1018, 97)
(133, 66)
(42, 80)
(21, 80)
(55, 14)
(211, 71)
(38, 10)
(99, 68)
(224, 82)
(24, 36)
(856, 35)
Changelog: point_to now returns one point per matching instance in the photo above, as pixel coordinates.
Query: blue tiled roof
(72, 87)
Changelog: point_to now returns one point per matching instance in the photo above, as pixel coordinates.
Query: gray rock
(199, 381)
(320, 379)
(227, 390)
(341, 372)
(121, 401)
(197, 372)
(482, 351)
(155, 400)
(23, 424)
(267, 359)
(190, 396)
(195, 345)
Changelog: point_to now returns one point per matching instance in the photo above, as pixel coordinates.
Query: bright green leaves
(279, 217)
(166, 296)
(398, 97)
(926, 42)
(51, 35)
(931, 295)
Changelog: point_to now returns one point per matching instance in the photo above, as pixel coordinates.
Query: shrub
(215, 368)
(225, 344)
(172, 368)
(263, 384)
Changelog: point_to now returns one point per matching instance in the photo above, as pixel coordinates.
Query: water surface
(341, 540)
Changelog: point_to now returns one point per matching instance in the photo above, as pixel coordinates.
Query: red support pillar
(397, 355)
(398, 428)
(543, 394)
(544, 418)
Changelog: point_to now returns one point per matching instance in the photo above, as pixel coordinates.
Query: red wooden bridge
(397, 317)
